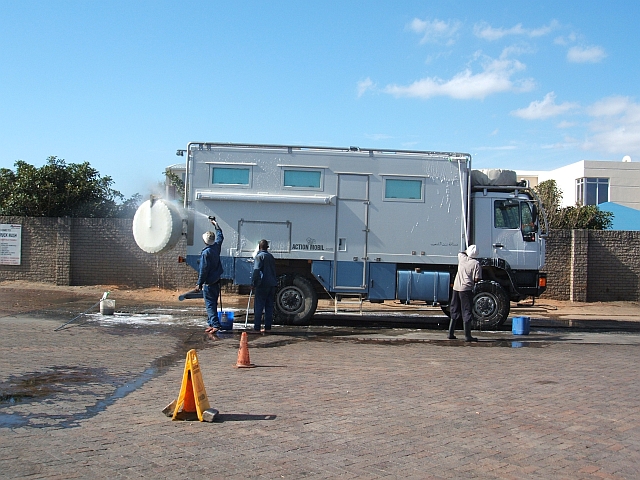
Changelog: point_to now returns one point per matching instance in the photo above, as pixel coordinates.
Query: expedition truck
(356, 222)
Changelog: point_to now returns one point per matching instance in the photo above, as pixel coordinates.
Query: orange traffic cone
(243, 353)
(189, 405)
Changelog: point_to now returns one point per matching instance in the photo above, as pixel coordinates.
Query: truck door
(351, 232)
(514, 234)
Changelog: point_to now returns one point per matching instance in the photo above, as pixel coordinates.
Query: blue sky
(124, 84)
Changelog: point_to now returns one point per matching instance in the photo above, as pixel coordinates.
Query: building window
(592, 191)
(230, 176)
(396, 189)
(302, 179)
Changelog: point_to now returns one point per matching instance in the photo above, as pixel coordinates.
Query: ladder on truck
(352, 299)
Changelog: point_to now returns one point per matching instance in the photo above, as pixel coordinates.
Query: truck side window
(506, 214)
(302, 179)
(230, 176)
(398, 189)
(528, 222)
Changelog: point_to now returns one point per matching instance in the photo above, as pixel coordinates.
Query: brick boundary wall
(582, 265)
(557, 261)
(93, 251)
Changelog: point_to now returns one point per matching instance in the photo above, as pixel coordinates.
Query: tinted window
(230, 176)
(302, 178)
(403, 189)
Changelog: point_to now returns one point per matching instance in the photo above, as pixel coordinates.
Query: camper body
(375, 224)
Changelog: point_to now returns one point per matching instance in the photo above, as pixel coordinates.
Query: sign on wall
(10, 244)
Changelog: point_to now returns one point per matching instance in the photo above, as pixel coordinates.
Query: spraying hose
(246, 317)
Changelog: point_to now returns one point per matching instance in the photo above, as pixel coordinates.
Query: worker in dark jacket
(209, 275)
(264, 283)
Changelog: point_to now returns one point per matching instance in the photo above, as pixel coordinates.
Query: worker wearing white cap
(469, 273)
(209, 275)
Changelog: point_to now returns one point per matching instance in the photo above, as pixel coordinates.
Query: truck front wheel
(296, 300)
(490, 305)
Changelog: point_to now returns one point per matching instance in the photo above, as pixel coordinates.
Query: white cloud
(378, 136)
(565, 124)
(586, 54)
(495, 78)
(564, 41)
(364, 86)
(498, 148)
(435, 30)
(615, 126)
(545, 108)
(610, 106)
(487, 32)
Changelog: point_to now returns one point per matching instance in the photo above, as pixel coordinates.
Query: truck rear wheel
(296, 300)
(490, 305)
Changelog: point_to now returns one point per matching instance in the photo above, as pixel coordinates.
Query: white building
(592, 182)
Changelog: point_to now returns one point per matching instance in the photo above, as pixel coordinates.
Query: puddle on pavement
(43, 384)
(35, 399)
(63, 396)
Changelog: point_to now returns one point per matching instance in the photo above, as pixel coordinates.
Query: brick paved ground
(314, 407)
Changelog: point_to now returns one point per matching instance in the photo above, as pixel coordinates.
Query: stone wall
(557, 261)
(581, 265)
(93, 251)
(593, 266)
(614, 266)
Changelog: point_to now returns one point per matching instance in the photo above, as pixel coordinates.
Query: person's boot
(467, 333)
(452, 329)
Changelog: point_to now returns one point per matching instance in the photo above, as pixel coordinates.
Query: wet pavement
(382, 399)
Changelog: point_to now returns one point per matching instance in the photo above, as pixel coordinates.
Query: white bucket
(107, 306)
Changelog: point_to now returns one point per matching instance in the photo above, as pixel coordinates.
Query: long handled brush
(246, 317)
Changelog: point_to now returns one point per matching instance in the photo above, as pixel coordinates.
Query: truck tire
(490, 305)
(296, 300)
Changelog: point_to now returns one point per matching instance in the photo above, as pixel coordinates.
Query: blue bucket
(226, 320)
(520, 325)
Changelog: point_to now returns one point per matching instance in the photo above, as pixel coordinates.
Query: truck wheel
(296, 300)
(490, 305)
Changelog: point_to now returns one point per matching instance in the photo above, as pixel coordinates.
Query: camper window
(302, 179)
(230, 176)
(405, 190)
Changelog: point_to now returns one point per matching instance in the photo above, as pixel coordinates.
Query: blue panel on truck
(244, 271)
(228, 266)
(227, 263)
(382, 281)
(349, 274)
(428, 286)
(193, 261)
(321, 269)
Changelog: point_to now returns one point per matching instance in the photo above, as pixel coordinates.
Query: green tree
(580, 217)
(175, 181)
(58, 189)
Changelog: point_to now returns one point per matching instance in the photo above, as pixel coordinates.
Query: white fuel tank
(157, 226)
